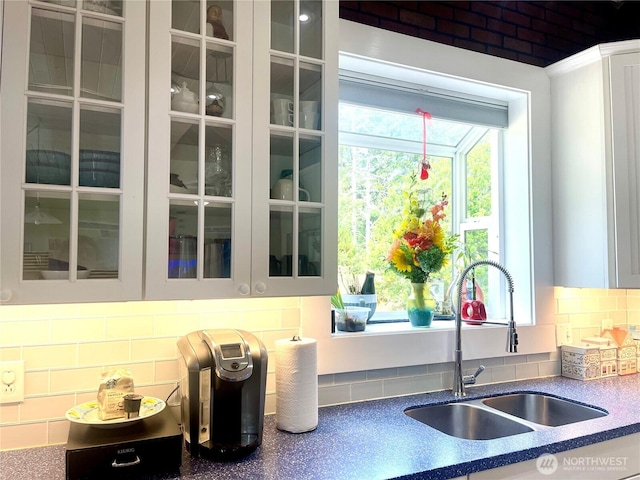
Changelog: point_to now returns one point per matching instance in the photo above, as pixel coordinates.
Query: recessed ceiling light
(304, 17)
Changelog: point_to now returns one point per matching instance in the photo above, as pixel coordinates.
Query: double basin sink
(503, 416)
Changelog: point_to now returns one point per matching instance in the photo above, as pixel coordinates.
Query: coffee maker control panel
(232, 357)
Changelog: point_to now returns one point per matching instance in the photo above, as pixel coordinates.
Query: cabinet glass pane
(282, 32)
(310, 168)
(220, 19)
(185, 15)
(217, 241)
(219, 81)
(110, 7)
(101, 68)
(218, 168)
(99, 158)
(66, 3)
(51, 52)
(48, 155)
(310, 81)
(46, 236)
(183, 174)
(282, 106)
(311, 28)
(99, 235)
(281, 166)
(185, 74)
(183, 239)
(280, 241)
(309, 242)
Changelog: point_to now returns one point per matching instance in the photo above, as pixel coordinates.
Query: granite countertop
(376, 440)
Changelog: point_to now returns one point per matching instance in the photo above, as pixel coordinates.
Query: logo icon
(547, 464)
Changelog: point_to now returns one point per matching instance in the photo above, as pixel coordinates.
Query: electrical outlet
(12, 382)
(564, 334)
(607, 324)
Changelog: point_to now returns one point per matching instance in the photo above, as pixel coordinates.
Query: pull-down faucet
(459, 380)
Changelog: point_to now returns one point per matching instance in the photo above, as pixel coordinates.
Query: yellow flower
(398, 258)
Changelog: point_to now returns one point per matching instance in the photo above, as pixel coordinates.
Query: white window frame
(461, 224)
(527, 208)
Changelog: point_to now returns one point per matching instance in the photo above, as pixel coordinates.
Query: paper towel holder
(296, 338)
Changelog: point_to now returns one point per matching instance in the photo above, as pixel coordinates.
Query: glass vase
(420, 305)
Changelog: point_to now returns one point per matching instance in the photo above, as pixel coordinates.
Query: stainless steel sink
(543, 409)
(466, 421)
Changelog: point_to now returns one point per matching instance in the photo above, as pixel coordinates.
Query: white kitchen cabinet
(596, 167)
(113, 146)
(610, 460)
(242, 147)
(72, 170)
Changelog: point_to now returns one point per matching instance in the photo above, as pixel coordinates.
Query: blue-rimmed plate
(87, 414)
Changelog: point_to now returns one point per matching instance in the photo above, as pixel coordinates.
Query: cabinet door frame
(326, 282)
(157, 284)
(15, 61)
(624, 77)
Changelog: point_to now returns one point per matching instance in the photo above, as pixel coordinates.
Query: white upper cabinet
(595, 126)
(72, 170)
(242, 120)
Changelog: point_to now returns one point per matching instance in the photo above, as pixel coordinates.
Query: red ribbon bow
(425, 166)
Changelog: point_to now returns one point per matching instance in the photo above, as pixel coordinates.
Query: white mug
(283, 119)
(282, 106)
(283, 190)
(309, 120)
(310, 106)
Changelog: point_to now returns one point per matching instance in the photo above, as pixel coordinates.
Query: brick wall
(537, 33)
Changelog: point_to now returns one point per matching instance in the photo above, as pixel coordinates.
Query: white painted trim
(527, 88)
(593, 54)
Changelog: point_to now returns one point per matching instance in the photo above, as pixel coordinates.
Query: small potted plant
(349, 318)
(360, 294)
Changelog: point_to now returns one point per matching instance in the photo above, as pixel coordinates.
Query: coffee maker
(223, 376)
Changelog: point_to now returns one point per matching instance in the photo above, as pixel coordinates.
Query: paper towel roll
(296, 385)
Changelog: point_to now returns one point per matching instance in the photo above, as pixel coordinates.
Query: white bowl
(62, 274)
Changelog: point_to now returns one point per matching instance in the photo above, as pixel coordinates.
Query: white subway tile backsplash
(166, 371)
(45, 408)
(9, 413)
(129, 326)
(399, 386)
(58, 431)
(72, 380)
(65, 348)
(366, 390)
(527, 370)
(154, 349)
(334, 395)
(36, 383)
(23, 436)
(50, 356)
(350, 377)
(504, 374)
(100, 353)
(24, 332)
(175, 325)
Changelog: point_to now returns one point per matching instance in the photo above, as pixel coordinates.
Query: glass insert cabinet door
(76, 164)
(199, 149)
(296, 209)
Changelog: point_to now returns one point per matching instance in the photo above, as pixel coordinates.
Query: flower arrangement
(420, 247)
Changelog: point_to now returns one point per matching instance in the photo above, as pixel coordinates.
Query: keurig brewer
(223, 377)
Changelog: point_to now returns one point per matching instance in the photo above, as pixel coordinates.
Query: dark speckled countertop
(376, 440)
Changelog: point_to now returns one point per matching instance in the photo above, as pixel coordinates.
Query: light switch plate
(564, 334)
(12, 382)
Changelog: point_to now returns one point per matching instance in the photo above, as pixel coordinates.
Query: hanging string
(425, 166)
